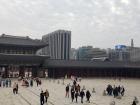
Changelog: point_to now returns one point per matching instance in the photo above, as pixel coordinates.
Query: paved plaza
(56, 88)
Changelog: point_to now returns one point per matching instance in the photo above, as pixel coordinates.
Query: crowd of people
(5, 82)
(27, 82)
(76, 92)
(116, 91)
(30, 81)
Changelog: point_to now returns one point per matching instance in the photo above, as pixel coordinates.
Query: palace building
(18, 56)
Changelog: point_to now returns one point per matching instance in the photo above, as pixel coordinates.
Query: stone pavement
(30, 95)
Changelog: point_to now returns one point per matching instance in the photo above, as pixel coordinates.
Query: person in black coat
(122, 91)
(72, 93)
(115, 92)
(74, 82)
(82, 94)
(31, 82)
(17, 88)
(134, 103)
(76, 95)
(88, 95)
(41, 98)
(67, 91)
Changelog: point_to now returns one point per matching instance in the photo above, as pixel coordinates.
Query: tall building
(59, 44)
(73, 54)
(120, 53)
(135, 54)
(125, 53)
(89, 53)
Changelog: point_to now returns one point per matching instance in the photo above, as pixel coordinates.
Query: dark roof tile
(17, 40)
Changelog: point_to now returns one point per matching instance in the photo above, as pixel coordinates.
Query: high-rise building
(119, 55)
(135, 54)
(125, 53)
(73, 54)
(59, 44)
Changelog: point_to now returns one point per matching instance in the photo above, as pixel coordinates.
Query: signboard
(120, 47)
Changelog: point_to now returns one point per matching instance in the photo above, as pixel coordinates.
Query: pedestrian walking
(74, 82)
(82, 94)
(122, 90)
(14, 88)
(135, 101)
(31, 82)
(76, 95)
(6, 82)
(88, 95)
(9, 81)
(72, 93)
(78, 88)
(67, 91)
(46, 95)
(41, 98)
(3, 83)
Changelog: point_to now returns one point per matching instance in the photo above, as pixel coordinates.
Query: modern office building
(59, 44)
(73, 54)
(88, 53)
(120, 53)
(82, 53)
(135, 54)
(125, 53)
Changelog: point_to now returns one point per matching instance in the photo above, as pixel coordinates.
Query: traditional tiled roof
(21, 59)
(21, 41)
(50, 63)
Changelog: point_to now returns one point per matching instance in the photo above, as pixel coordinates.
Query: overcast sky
(100, 23)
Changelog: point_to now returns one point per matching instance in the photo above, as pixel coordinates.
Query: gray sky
(100, 23)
